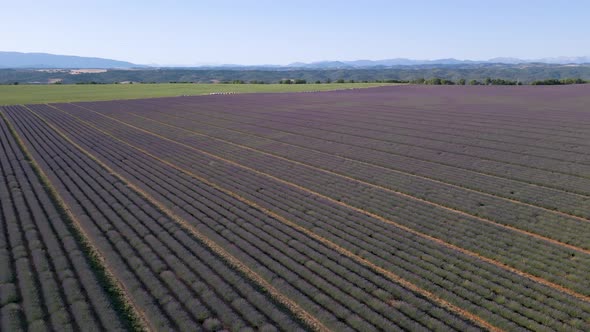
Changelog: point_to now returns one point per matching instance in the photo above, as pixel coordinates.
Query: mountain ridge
(447, 61)
(47, 60)
(20, 60)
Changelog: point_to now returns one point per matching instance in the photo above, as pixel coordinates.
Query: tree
(434, 81)
(572, 81)
(474, 82)
(461, 81)
(547, 82)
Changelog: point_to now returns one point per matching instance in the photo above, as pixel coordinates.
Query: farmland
(412, 208)
(54, 93)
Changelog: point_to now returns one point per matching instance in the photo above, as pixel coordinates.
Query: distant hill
(412, 62)
(378, 63)
(45, 60)
(18, 60)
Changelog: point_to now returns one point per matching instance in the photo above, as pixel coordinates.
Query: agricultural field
(395, 208)
(61, 93)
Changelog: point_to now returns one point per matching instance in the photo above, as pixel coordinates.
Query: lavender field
(411, 208)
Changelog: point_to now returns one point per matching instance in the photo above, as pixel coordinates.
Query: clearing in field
(413, 208)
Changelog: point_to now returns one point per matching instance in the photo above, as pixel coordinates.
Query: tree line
(430, 81)
(475, 75)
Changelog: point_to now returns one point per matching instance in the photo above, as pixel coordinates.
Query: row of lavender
(549, 190)
(46, 280)
(341, 292)
(360, 233)
(552, 264)
(363, 164)
(175, 281)
(381, 114)
(348, 122)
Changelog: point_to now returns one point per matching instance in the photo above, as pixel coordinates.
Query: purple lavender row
(393, 151)
(47, 282)
(420, 139)
(299, 206)
(539, 221)
(403, 131)
(465, 231)
(541, 196)
(303, 268)
(173, 278)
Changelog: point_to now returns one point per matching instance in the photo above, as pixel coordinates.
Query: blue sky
(281, 32)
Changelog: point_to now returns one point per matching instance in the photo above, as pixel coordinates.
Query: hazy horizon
(204, 64)
(263, 32)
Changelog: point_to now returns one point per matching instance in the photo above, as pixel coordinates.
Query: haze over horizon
(264, 32)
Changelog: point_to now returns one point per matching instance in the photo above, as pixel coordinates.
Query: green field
(37, 94)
